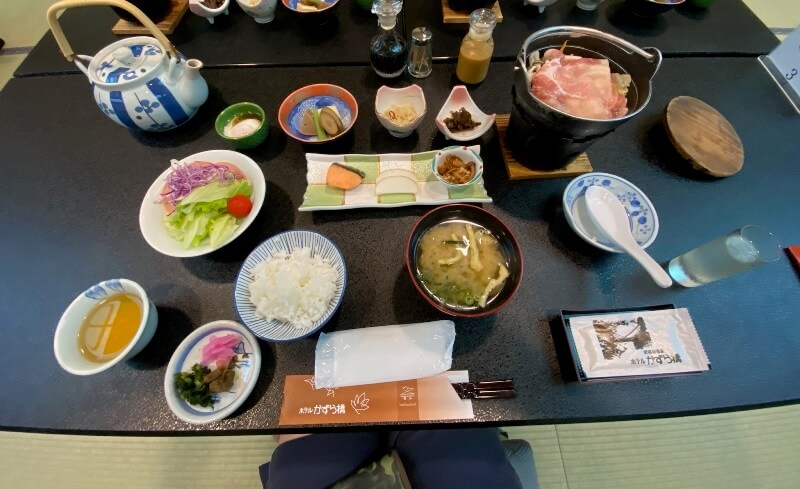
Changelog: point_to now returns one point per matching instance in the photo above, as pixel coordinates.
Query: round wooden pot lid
(704, 136)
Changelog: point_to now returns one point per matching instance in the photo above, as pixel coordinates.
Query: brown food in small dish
(455, 170)
(460, 120)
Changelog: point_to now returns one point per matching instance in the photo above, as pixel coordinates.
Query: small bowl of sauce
(243, 125)
(108, 323)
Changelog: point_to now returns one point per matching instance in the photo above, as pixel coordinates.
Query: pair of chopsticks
(486, 389)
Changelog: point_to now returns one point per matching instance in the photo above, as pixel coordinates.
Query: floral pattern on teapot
(140, 87)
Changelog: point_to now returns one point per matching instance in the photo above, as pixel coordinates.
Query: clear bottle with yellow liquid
(477, 47)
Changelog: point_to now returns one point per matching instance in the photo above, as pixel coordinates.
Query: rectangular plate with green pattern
(320, 196)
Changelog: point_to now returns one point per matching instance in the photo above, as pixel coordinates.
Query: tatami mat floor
(750, 449)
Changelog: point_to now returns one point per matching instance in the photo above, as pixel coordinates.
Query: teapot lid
(126, 60)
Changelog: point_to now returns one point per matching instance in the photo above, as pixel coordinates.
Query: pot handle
(63, 44)
(655, 61)
(652, 55)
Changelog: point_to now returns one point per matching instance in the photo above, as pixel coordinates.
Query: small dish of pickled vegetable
(464, 261)
(457, 166)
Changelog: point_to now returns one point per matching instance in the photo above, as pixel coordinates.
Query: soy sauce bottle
(388, 52)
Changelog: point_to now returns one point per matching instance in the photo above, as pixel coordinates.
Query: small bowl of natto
(243, 125)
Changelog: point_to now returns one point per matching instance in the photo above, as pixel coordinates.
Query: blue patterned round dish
(641, 213)
(317, 102)
(275, 330)
(246, 365)
(318, 96)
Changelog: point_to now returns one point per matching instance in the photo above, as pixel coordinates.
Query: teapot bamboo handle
(63, 44)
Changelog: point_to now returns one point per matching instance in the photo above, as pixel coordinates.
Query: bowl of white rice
(290, 286)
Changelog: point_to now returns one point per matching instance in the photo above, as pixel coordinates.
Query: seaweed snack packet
(636, 343)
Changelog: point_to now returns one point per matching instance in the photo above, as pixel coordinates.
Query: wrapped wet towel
(383, 354)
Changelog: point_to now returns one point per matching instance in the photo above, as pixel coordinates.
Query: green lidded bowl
(242, 108)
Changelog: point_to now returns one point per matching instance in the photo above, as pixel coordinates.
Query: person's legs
(318, 461)
(455, 458)
(520, 455)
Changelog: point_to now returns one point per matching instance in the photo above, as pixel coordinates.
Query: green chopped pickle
(192, 387)
(450, 293)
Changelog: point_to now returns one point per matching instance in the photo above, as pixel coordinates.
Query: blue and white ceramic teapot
(138, 82)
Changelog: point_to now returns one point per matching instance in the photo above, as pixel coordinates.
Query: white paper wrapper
(638, 343)
(383, 354)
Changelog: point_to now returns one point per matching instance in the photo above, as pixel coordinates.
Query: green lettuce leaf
(203, 214)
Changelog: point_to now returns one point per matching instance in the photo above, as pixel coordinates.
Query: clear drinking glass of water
(741, 250)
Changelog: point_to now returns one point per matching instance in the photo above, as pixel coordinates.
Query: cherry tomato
(239, 206)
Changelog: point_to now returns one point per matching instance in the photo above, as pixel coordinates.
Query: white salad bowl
(151, 213)
(459, 97)
(411, 96)
(279, 331)
(65, 343)
(189, 352)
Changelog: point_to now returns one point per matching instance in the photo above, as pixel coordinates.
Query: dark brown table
(727, 28)
(233, 40)
(73, 182)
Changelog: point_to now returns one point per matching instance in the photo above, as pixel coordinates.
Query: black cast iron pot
(543, 137)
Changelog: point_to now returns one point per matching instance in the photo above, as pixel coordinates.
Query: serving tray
(320, 196)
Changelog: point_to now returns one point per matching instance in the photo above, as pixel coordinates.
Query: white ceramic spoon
(610, 217)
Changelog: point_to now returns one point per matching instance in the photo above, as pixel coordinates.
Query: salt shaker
(420, 58)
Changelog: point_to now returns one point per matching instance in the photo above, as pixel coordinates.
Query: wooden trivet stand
(516, 171)
(450, 16)
(167, 26)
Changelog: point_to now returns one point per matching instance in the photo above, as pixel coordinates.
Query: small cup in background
(197, 7)
(242, 111)
(741, 250)
(588, 5)
(262, 11)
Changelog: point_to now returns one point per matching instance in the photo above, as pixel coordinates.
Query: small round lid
(127, 61)
(421, 35)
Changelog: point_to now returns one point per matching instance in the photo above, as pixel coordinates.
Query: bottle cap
(421, 35)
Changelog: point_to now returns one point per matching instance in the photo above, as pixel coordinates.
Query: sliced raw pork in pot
(582, 87)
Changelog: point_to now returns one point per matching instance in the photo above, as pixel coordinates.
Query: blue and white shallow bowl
(279, 331)
(65, 343)
(189, 352)
(641, 213)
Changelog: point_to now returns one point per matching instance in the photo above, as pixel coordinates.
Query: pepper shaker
(420, 58)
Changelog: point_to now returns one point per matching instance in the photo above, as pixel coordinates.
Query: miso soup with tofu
(461, 265)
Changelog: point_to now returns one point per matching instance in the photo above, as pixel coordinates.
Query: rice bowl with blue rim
(276, 330)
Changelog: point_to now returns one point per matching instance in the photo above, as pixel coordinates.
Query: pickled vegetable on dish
(322, 123)
(455, 170)
(582, 87)
(461, 120)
